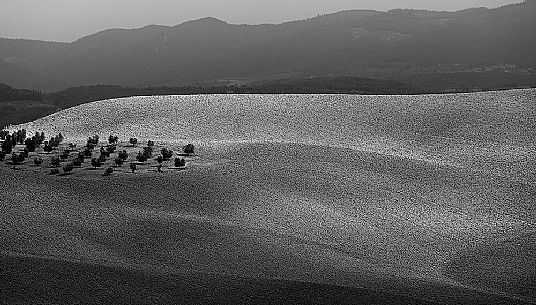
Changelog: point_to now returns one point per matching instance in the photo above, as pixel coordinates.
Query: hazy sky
(68, 20)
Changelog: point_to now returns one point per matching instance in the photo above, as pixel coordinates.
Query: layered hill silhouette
(396, 44)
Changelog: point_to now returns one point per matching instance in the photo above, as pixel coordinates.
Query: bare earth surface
(276, 222)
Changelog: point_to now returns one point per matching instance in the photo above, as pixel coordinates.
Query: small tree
(160, 159)
(110, 149)
(189, 149)
(2, 155)
(113, 139)
(123, 155)
(150, 143)
(31, 144)
(68, 168)
(88, 153)
(141, 157)
(25, 153)
(180, 162)
(105, 152)
(7, 146)
(133, 141)
(20, 136)
(78, 162)
(64, 155)
(48, 148)
(3, 134)
(93, 141)
(38, 161)
(55, 162)
(16, 159)
(37, 139)
(54, 171)
(102, 158)
(166, 153)
(95, 163)
(108, 171)
(133, 167)
(119, 162)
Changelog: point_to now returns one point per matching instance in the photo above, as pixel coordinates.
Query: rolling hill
(361, 197)
(376, 44)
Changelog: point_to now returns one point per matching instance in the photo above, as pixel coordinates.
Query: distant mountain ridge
(363, 43)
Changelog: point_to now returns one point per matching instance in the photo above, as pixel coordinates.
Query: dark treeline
(14, 112)
(347, 85)
(8, 94)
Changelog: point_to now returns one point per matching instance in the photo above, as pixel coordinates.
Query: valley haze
(476, 47)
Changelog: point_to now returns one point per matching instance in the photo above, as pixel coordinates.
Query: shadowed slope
(292, 212)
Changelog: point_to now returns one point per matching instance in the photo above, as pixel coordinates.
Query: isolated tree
(15, 159)
(68, 168)
(133, 167)
(123, 155)
(54, 171)
(148, 151)
(25, 153)
(20, 136)
(102, 158)
(108, 171)
(38, 161)
(31, 144)
(48, 148)
(133, 141)
(166, 153)
(64, 155)
(189, 149)
(104, 152)
(88, 153)
(160, 159)
(141, 157)
(37, 139)
(3, 134)
(13, 139)
(55, 162)
(96, 163)
(119, 162)
(7, 146)
(180, 162)
(93, 141)
(113, 139)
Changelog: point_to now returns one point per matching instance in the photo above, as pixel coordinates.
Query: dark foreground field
(270, 223)
(31, 280)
